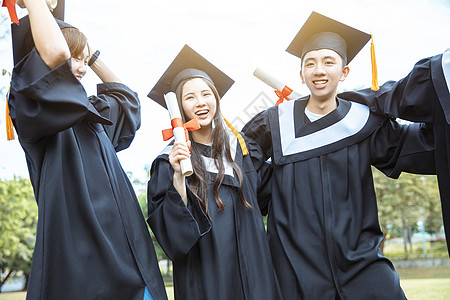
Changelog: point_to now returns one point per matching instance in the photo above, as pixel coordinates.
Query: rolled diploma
(273, 82)
(178, 132)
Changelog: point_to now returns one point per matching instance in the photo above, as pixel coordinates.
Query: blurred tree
(433, 211)
(141, 192)
(404, 202)
(18, 220)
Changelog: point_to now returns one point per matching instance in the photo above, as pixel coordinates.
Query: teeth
(320, 82)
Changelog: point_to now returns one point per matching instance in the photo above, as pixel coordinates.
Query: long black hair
(198, 181)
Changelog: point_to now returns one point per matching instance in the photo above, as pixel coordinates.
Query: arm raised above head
(47, 36)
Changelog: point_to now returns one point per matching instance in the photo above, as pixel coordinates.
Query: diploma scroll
(178, 131)
(274, 83)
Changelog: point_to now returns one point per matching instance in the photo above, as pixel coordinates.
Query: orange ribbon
(177, 122)
(9, 123)
(283, 95)
(11, 6)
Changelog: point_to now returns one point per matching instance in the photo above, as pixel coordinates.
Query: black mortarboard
(189, 64)
(320, 32)
(22, 44)
(59, 10)
(22, 40)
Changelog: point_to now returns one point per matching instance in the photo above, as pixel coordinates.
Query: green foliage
(143, 203)
(404, 202)
(141, 191)
(18, 220)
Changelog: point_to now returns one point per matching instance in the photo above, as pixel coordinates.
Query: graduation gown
(422, 96)
(223, 256)
(323, 226)
(92, 241)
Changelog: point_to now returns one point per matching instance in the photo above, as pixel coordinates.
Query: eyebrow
(323, 58)
(202, 91)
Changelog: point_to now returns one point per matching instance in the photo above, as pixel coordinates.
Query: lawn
(426, 283)
(418, 284)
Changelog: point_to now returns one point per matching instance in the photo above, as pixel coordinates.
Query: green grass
(426, 283)
(397, 249)
(425, 273)
(418, 284)
(426, 289)
(13, 296)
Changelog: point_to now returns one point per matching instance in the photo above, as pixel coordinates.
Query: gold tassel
(375, 86)
(239, 137)
(9, 123)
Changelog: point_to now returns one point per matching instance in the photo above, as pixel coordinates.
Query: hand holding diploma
(281, 90)
(179, 130)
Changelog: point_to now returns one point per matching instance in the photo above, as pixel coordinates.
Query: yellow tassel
(239, 137)
(375, 86)
(9, 123)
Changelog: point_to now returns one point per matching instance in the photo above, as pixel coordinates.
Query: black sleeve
(45, 101)
(118, 103)
(264, 173)
(176, 227)
(397, 148)
(412, 98)
(258, 129)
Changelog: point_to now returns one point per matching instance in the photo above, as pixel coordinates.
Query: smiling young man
(322, 70)
(322, 221)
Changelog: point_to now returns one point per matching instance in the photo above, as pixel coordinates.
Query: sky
(139, 40)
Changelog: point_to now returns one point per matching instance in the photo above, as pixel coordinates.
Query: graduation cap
(58, 11)
(22, 44)
(321, 32)
(189, 64)
(22, 40)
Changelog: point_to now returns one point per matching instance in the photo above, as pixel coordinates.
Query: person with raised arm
(92, 240)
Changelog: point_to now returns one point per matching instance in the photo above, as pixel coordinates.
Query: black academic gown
(323, 226)
(225, 256)
(92, 241)
(422, 96)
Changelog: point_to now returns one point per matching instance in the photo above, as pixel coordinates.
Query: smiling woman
(199, 101)
(89, 217)
(207, 222)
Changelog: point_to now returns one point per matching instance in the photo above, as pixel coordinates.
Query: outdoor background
(138, 40)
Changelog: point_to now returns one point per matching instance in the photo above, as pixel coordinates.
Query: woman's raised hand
(179, 152)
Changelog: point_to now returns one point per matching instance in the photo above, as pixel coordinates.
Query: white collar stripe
(211, 166)
(352, 123)
(209, 162)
